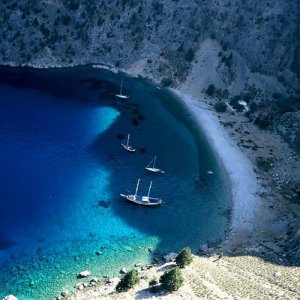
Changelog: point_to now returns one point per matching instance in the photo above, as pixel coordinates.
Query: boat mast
(128, 139)
(137, 187)
(121, 87)
(149, 188)
(154, 161)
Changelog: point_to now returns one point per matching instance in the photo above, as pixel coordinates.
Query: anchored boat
(127, 146)
(121, 96)
(151, 167)
(142, 200)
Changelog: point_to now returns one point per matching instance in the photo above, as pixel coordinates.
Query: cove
(62, 169)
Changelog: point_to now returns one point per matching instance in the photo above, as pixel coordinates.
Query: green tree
(184, 258)
(210, 90)
(220, 106)
(128, 281)
(189, 56)
(171, 280)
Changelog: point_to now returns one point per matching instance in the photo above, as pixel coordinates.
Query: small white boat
(151, 167)
(209, 172)
(142, 200)
(127, 146)
(121, 96)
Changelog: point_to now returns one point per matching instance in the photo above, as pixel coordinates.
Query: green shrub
(211, 90)
(128, 281)
(265, 163)
(220, 106)
(153, 282)
(189, 55)
(263, 121)
(184, 258)
(253, 106)
(171, 280)
(167, 81)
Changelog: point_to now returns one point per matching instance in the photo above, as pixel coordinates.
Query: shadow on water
(176, 222)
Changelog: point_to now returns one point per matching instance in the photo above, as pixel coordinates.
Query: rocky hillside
(162, 34)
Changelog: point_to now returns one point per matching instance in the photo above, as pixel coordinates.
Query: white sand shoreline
(243, 182)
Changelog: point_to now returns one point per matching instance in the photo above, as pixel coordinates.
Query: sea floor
(63, 168)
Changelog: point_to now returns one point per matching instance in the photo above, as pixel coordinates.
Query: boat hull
(128, 148)
(142, 200)
(122, 96)
(154, 170)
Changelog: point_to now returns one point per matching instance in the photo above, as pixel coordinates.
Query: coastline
(244, 185)
(247, 269)
(247, 226)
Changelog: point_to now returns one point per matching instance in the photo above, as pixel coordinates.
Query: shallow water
(62, 169)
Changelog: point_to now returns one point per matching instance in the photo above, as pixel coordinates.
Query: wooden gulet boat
(142, 200)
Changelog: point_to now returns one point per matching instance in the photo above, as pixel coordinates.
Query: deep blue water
(62, 169)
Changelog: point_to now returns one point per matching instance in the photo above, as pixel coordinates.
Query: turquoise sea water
(62, 169)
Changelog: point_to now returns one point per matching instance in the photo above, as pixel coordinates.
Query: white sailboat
(142, 200)
(121, 96)
(127, 146)
(151, 167)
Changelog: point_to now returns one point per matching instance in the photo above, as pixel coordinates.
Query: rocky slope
(163, 34)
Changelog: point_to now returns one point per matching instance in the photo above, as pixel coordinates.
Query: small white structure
(244, 103)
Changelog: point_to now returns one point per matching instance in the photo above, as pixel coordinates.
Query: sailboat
(151, 167)
(121, 95)
(127, 146)
(142, 200)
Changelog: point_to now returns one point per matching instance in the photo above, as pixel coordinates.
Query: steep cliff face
(160, 36)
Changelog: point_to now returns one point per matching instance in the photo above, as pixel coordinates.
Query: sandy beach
(243, 181)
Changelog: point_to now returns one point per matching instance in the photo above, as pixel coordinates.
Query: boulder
(10, 297)
(79, 286)
(64, 293)
(123, 271)
(85, 273)
(277, 274)
(95, 279)
(203, 248)
(170, 257)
